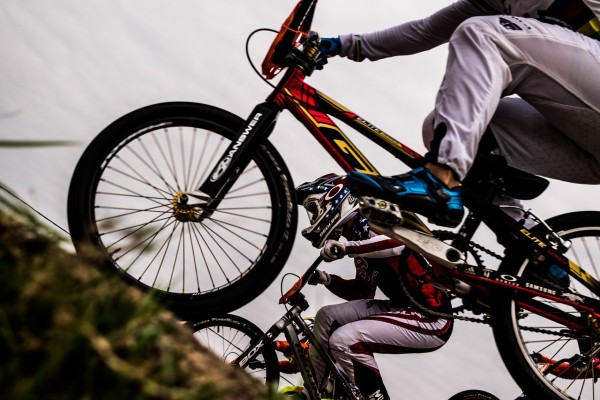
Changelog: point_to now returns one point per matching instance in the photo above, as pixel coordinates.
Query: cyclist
(354, 330)
(544, 51)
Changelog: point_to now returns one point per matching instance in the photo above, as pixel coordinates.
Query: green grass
(69, 331)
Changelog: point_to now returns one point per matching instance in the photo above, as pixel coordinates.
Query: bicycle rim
(545, 358)
(229, 336)
(125, 200)
(473, 394)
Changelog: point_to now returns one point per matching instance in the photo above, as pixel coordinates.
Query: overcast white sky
(69, 68)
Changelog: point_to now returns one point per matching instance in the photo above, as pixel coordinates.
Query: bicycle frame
(315, 111)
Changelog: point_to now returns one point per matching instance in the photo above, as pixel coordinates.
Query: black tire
(473, 394)
(229, 335)
(122, 206)
(513, 325)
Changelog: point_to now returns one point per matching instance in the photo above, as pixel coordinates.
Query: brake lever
(303, 280)
(311, 39)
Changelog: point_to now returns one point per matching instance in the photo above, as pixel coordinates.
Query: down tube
(322, 127)
(402, 152)
(311, 107)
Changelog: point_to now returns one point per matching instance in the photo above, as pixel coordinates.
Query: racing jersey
(378, 261)
(424, 34)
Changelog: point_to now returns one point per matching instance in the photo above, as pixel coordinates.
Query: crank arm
(428, 245)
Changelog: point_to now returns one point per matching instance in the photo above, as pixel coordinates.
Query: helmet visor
(313, 209)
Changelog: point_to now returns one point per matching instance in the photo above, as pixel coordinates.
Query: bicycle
(241, 343)
(194, 204)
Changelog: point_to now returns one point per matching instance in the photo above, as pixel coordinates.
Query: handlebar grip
(336, 251)
(314, 276)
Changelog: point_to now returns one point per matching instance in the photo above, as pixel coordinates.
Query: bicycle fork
(311, 384)
(285, 325)
(340, 379)
(235, 158)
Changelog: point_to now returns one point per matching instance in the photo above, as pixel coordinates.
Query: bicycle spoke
(132, 211)
(221, 222)
(134, 232)
(162, 261)
(249, 184)
(231, 343)
(128, 190)
(219, 149)
(246, 196)
(170, 158)
(218, 210)
(206, 263)
(215, 258)
(140, 178)
(129, 195)
(227, 242)
(154, 168)
(149, 241)
(183, 163)
(240, 237)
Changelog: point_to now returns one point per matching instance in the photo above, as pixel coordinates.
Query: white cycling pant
(354, 330)
(551, 129)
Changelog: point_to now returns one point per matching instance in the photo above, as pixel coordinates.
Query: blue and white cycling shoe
(418, 191)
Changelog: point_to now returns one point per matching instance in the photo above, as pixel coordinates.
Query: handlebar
(301, 282)
(293, 31)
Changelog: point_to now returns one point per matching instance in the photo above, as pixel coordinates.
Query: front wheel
(228, 336)
(126, 204)
(552, 350)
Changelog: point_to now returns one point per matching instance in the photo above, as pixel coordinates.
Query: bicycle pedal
(381, 211)
(288, 367)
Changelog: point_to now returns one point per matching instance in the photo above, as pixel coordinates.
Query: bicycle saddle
(515, 183)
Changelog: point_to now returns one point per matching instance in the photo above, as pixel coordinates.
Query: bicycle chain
(472, 247)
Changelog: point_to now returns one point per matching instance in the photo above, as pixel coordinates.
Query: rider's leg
(541, 145)
(331, 317)
(491, 57)
(529, 142)
(394, 332)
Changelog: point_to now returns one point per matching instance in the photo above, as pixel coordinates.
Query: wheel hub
(594, 324)
(182, 210)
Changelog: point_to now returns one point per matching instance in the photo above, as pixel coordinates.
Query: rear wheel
(473, 394)
(126, 204)
(229, 336)
(548, 358)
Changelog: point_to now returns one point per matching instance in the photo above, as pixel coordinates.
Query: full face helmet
(329, 206)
